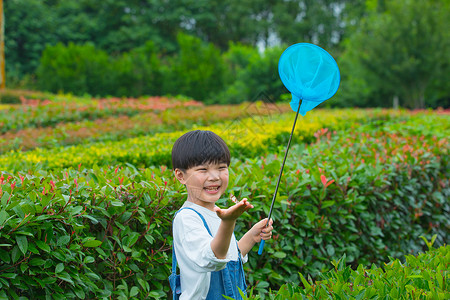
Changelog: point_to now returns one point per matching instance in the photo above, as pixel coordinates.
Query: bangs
(199, 147)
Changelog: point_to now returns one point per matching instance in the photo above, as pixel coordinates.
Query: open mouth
(211, 189)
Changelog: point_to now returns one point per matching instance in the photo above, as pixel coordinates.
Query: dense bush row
(247, 134)
(34, 113)
(113, 124)
(425, 276)
(93, 232)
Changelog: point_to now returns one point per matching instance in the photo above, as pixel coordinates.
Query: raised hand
(233, 212)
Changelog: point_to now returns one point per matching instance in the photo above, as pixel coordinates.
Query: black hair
(198, 147)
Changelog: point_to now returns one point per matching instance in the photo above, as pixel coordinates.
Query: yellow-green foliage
(245, 136)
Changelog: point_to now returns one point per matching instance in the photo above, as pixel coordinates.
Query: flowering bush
(48, 113)
(246, 136)
(117, 127)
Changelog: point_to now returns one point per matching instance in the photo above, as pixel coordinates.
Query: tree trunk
(2, 47)
(395, 102)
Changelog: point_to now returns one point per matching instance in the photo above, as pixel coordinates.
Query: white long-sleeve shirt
(195, 257)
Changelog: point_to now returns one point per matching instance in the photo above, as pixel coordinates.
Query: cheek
(225, 177)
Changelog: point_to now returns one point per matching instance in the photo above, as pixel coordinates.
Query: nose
(213, 175)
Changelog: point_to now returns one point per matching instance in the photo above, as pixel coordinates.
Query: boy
(208, 254)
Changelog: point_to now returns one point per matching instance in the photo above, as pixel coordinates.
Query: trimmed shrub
(196, 71)
(78, 69)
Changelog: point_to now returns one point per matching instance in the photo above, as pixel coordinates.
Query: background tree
(402, 51)
(322, 22)
(29, 27)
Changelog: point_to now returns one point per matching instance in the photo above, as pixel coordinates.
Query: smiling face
(205, 183)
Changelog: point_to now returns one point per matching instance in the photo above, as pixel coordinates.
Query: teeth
(212, 188)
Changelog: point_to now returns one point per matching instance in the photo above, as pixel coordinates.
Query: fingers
(266, 232)
(263, 222)
(244, 202)
(233, 212)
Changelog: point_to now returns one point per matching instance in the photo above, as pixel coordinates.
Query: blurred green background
(227, 51)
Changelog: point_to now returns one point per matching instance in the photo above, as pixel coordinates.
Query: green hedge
(84, 235)
(101, 232)
(425, 276)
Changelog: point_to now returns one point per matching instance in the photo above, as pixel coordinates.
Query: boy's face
(204, 183)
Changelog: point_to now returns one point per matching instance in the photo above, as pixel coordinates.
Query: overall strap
(174, 256)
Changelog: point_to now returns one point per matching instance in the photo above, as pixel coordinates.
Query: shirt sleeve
(245, 259)
(193, 242)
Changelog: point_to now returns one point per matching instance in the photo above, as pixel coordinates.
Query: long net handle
(261, 246)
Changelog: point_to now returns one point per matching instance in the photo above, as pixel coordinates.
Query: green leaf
(93, 275)
(279, 254)
(133, 237)
(94, 177)
(4, 256)
(144, 284)
(8, 275)
(59, 268)
(92, 243)
(89, 260)
(311, 216)
(154, 294)
(134, 291)
(60, 256)
(43, 246)
(3, 216)
(394, 293)
(23, 267)
(15, 254)
(305, 282)
(4, 199)
(37, 262)
(330, 250)
(22, 242)
(79, 292)
(63, 240)
(326, 204)
(49, 280)
(65, 276)
(25, 233)
(149, 238)
(263, 284)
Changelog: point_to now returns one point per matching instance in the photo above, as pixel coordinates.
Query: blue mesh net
(310, 73)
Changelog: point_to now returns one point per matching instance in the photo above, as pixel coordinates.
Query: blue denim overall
(227, 281)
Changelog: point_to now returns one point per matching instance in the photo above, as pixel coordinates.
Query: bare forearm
(221, 242)
(246, 243)
(259, 231)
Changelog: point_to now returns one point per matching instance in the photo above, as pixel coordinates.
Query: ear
(180, 175)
